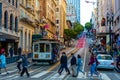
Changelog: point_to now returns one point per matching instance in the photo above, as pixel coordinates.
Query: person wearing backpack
(25, 66)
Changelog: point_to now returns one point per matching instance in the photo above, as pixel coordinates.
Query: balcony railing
(26, 18)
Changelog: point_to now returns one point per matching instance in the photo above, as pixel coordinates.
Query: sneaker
(83, 73)
(74, 76)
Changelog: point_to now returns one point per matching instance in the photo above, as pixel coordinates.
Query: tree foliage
(88, 26)
(72, 33)
(78, 28)
(69, 34)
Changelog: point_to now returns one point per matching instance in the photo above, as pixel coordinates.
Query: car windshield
(105, 57)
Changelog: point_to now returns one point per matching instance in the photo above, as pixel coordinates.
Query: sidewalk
(15, 58)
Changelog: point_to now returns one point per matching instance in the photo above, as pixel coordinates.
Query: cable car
(46, 50)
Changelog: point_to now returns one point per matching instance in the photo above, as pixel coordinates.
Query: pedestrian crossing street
(13, 75)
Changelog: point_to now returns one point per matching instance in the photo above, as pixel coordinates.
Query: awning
(104, 34)
(6, 37)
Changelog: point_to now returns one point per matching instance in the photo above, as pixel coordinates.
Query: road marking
(84, 60)
(9, 72)
(117, 75)
(16, 75)
(81, 75)
(104, 76)
(39, 74)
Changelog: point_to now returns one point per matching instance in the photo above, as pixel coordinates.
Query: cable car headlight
(35, 55)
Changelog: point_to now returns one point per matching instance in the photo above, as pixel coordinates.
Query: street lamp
(110, 23)
(43, 22)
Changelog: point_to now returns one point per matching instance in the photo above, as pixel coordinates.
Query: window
(6, 19)
(16, 3)
(12, 2)
(57, 9)
(57, 21)
(11, 21)
(16, 24)
(36, 48)
(9, 1)
(44, 47)
(105, 57)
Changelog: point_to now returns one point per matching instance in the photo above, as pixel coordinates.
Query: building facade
(63, 24)
(105, 9)
(71, 13)
(48, 16)
(76, 4)
(61, 18)
(9, 23)
(29, 14)
(117, 17)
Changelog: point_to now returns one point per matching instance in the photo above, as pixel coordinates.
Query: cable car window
(36, 48)
(44, 47)
(47, 48)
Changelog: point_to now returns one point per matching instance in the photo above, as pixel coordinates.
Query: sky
(86, 11)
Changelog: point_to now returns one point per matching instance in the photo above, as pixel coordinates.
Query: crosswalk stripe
(9, 72)
(81, 75)
(39, 74)
(104, 76)
(118, 76)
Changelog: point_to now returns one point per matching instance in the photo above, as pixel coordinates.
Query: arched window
(16, 3)
(6, 19)
(11, 21)
(12, 2)
(16, 24)
(9, 1)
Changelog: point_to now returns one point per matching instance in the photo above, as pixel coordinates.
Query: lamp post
(42, 24)
(110, 23)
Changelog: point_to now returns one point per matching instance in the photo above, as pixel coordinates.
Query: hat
(2, 50)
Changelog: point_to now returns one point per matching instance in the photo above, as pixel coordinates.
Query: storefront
(8, 41)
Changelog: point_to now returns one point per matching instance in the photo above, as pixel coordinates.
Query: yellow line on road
(55, 65)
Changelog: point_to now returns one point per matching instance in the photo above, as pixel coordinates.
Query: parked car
(105, 61)
(117, 64)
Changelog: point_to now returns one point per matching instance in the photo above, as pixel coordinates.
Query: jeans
(23, 71)
(19, 66)
(79, 69)
(93, 69)
(62, 67)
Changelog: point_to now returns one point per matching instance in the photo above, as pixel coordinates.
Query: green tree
(78, 28)
(88, 26)
(68, 35)
(72, 33)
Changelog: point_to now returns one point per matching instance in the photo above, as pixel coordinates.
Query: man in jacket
(73, 65)
(25, 66)
(63, 62)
